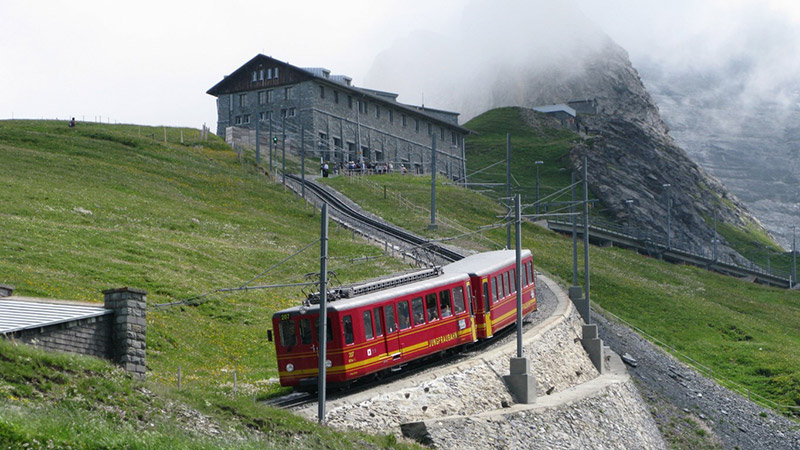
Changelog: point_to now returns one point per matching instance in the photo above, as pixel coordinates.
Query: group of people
(352, 167)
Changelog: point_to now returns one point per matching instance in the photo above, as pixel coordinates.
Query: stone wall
(90, 336)
(118, 335)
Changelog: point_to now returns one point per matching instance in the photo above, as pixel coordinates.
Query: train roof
(374, 297)
(485, 263)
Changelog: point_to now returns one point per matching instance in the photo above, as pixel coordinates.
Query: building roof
(17, 314)
(556, 108)
(323, 75)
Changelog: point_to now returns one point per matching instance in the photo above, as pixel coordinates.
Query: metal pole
(794, 255)
(587, 319)
(271, 144)
(518, 223)
(283, 141)
(537, 186)
(715, 236)
(432, 225)
(669, 217)
(508, 189)
(283, 166)
(574, 235)
(258, 141)
(303, 161)
(323, 310)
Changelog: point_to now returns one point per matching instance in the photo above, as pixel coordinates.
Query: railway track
(387, 229)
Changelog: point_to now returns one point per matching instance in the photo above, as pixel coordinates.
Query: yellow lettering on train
(442, 339)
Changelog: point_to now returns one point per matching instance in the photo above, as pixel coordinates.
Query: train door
(487, 308)
(389, 324)
(471, 303)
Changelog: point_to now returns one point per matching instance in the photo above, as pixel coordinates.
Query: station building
(337, 120)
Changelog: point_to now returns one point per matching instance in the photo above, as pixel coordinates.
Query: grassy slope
(99, 206)
(745, 332)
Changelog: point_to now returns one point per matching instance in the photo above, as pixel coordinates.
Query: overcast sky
(150, 62)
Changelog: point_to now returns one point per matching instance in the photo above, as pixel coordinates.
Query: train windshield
(287, 331)
(305, 331)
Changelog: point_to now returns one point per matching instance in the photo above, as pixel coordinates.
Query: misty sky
(151, 62)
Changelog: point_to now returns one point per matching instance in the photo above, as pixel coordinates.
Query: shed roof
(16, 315)
(556, 108)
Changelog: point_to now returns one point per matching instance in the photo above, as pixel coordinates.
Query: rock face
(750, 142)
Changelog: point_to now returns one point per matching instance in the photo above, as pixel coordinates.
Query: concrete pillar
(521, 382)
(128, 330)
(593, 346)
(6, 290)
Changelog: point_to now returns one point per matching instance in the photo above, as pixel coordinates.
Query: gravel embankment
(664, 382)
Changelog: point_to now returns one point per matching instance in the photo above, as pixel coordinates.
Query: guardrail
(679, 251)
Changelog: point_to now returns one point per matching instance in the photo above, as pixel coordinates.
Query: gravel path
(677, 394)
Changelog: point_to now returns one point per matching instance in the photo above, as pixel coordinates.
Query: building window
(453, 137)
(262, 97)
(261, 75)
(275, 73)
(337, 142)
(287, 93)
(283, 113)
(291, 112)
(269, 74)
(441, 133)
(416, 125)
(265, 115)
(237, 120)
(242, 100)
(246, 118)
(391, 116)
(336, 97)
(322, 92)
(377, 112)
(403, 119)
(255, 76)
(430, 129)
(350, 101)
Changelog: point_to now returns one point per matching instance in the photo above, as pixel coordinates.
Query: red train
(378, 331)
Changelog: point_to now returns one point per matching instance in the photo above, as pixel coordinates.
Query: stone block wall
(118, 335)
(90, 336)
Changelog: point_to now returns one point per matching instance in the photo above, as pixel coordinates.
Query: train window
(524, 275)
(418, 311)
(305, 331)
(347, 326)
(505, 284)
(329, 330)
(458, 300)
(368, 324)
(444, 299)
(403, 315)
(378, 327)
(288, 335)
(486, 294)
(391, 326)
(432, 308)
(493, 291)
(530, 272)
(469, 299)
(513, 280)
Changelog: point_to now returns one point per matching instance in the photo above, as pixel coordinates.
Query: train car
(372, 333)
(493, 281)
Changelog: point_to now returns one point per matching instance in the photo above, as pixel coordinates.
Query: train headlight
(290, 367)
(328, 363)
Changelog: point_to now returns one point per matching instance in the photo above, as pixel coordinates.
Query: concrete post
(129, 328)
